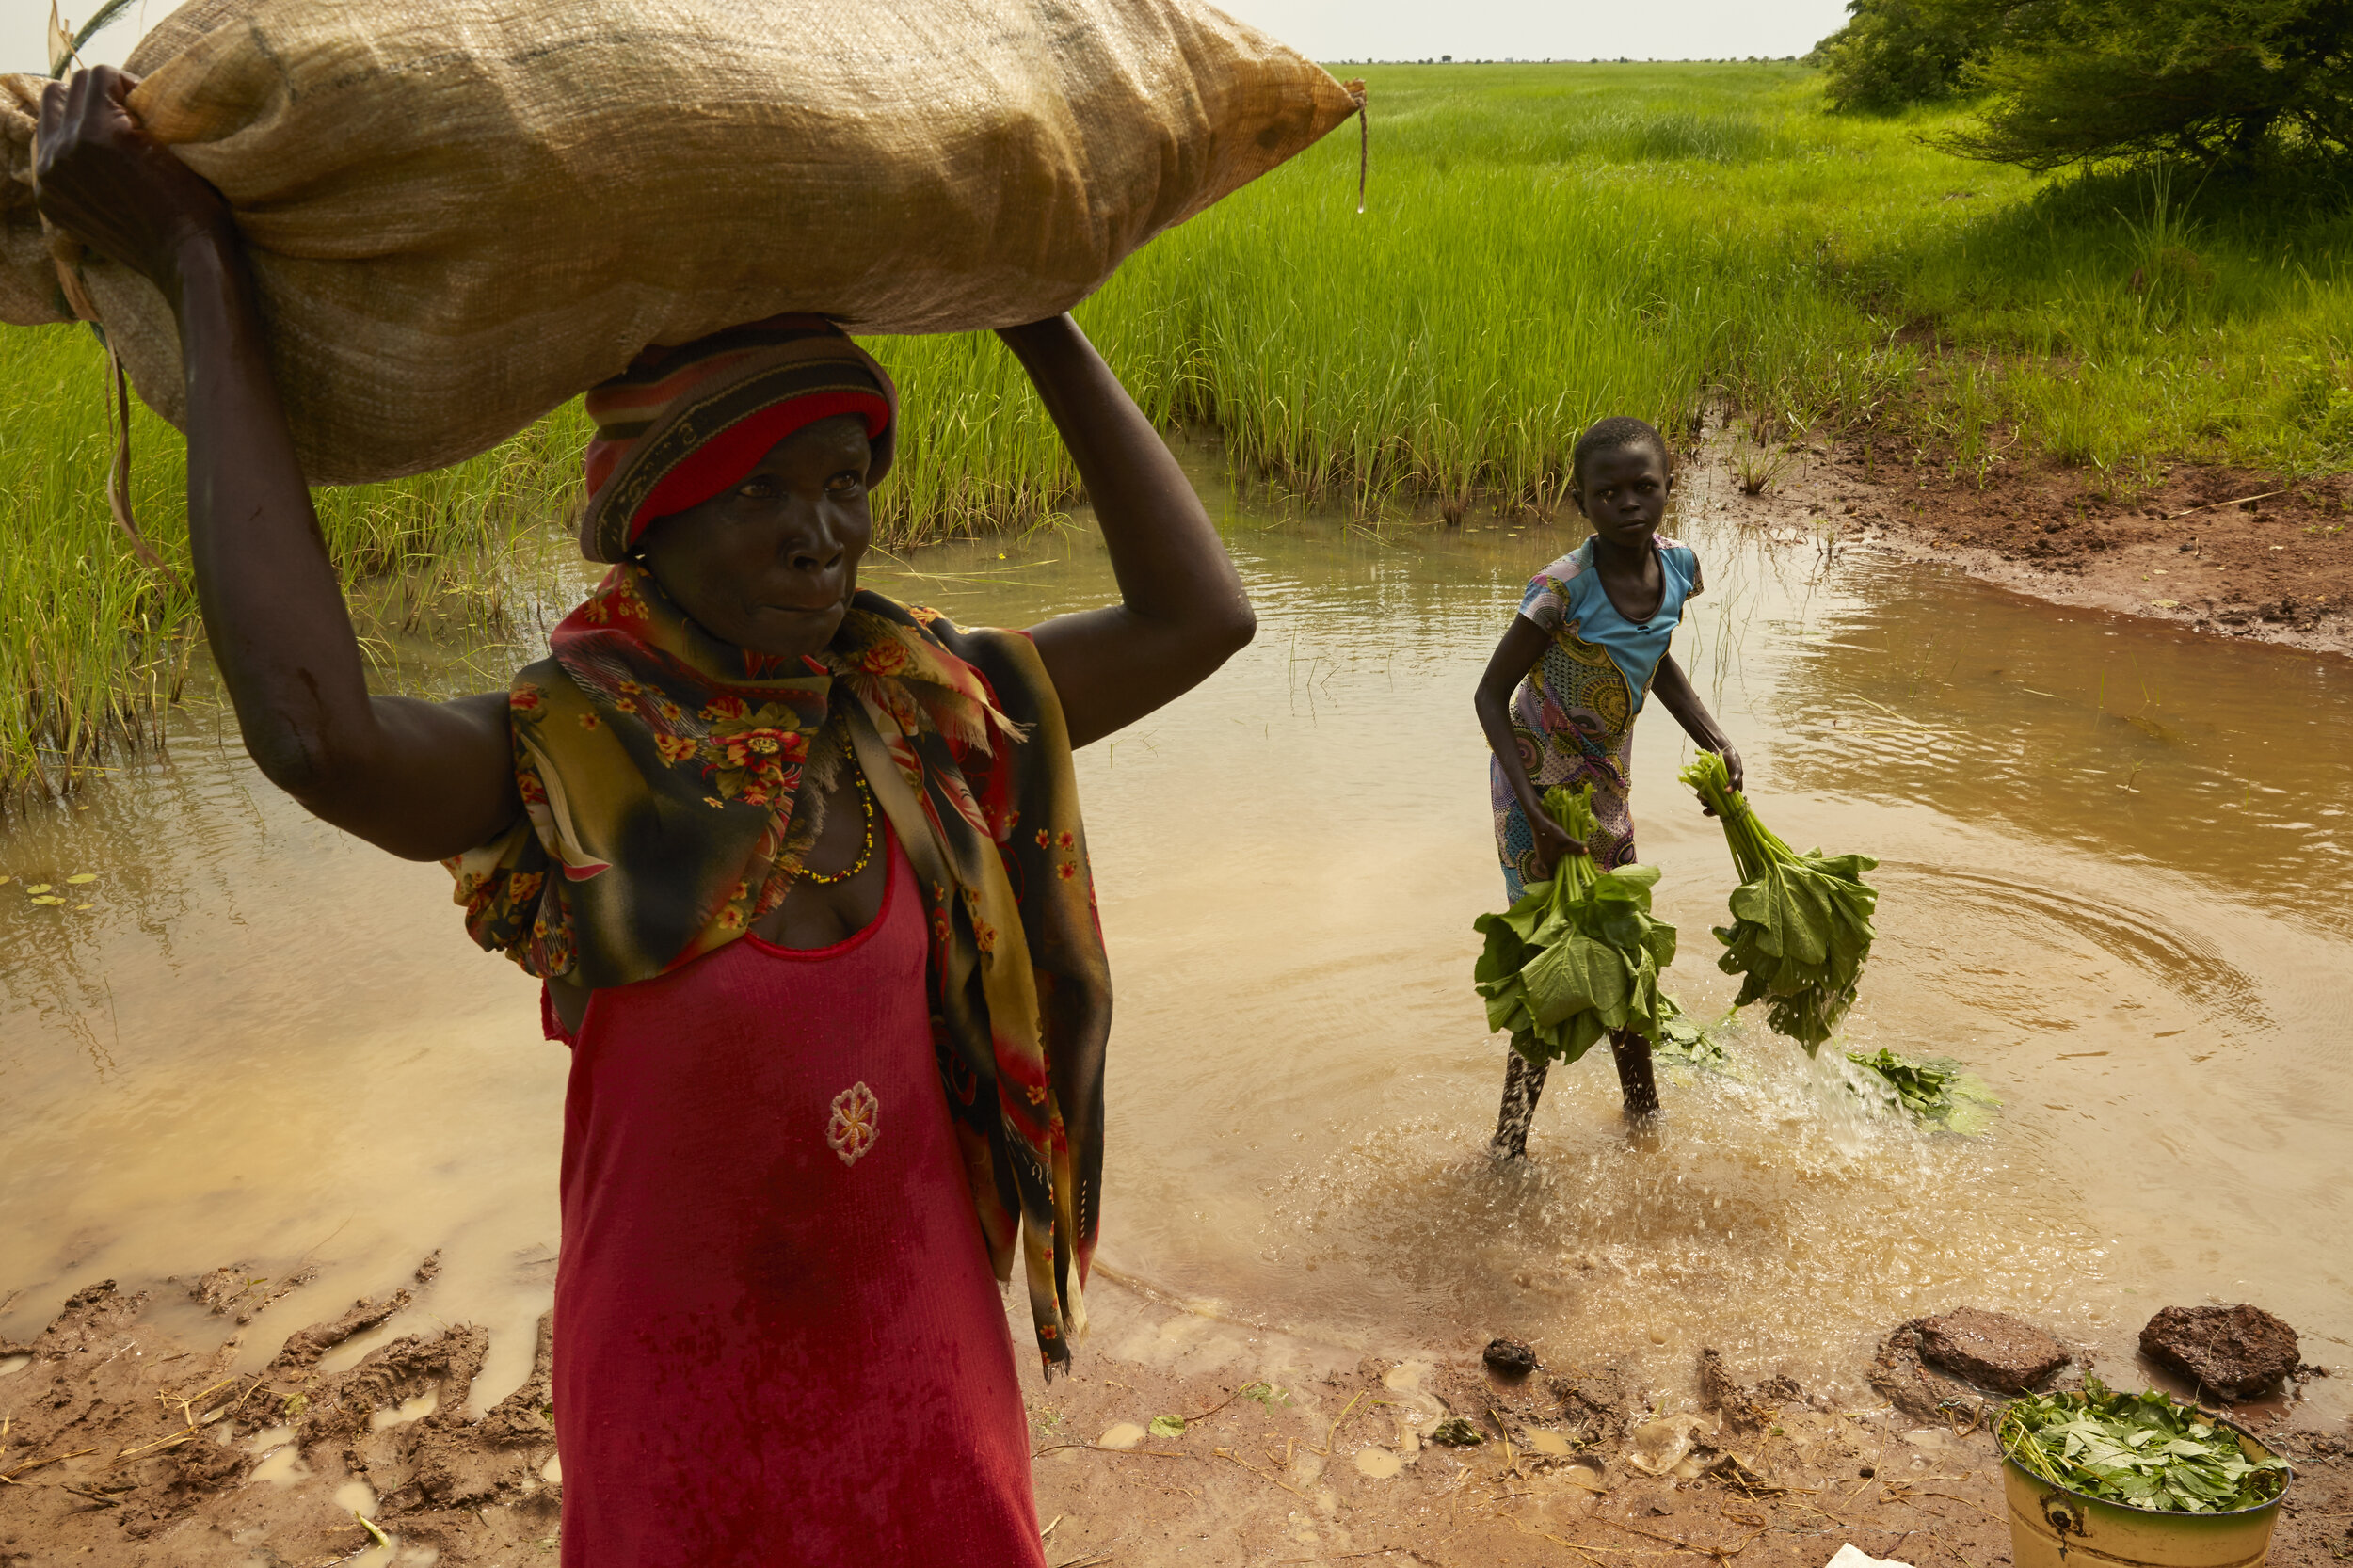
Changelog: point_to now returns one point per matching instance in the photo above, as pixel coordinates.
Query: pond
(2114, 861)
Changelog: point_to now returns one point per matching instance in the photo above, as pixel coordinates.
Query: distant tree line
(2084, 82)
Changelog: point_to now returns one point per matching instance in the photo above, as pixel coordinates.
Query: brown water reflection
(2115, 861)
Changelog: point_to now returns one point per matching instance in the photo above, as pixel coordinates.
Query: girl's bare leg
(1522, 1083)
(1634, 1074)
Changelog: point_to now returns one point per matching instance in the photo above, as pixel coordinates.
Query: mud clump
(1593, 1406)
(528, 1414)
(1990, 1348)
(235, 1290)
(1745, 1408)
(202, 1468)
(93, 1317)
(304, 1347)
(128, 1447)
(1509, 1358)
(2238, 1353)
(1914, 1388)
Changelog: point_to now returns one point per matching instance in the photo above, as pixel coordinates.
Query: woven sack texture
(461, 213)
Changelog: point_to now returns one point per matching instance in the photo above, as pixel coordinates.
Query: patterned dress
(1574, 715)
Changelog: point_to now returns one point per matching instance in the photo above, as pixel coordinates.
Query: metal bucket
(2050, 1527)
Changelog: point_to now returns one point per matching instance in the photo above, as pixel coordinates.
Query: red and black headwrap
(682, 425)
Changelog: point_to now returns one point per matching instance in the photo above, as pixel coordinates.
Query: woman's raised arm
(1182, 612)
(422, 779)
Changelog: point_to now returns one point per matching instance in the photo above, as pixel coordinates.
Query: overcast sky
(1328, 30)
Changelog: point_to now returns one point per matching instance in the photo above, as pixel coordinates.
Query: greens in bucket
(2143, 1451)
(1800, 923)
(1576, 956)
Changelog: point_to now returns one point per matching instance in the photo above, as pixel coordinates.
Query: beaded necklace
(866, 806)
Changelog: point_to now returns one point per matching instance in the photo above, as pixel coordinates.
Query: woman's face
(769, 563)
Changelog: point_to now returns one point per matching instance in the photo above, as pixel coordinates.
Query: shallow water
(2114, 861)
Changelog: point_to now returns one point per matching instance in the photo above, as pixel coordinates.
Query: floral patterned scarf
(660, 770)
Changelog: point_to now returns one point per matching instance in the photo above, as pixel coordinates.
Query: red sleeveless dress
(779, 1338)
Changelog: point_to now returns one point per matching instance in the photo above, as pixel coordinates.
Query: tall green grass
(94, 644)
(1545, 245)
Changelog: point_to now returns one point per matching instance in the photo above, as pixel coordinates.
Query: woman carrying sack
(801, 868)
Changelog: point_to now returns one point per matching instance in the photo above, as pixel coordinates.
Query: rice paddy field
(1543, 245)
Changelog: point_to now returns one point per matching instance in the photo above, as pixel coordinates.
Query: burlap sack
(463, 212)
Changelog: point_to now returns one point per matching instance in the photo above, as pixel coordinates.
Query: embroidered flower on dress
(855, 1124)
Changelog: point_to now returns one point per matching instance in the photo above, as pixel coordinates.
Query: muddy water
(2114, 867)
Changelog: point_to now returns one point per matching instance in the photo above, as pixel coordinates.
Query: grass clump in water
(1936, 1090)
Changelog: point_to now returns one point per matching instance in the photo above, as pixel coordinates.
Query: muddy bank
(129, 1444)
(2217, 551)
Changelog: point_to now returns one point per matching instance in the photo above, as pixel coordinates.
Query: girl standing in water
(1558, 699)
(801, 869)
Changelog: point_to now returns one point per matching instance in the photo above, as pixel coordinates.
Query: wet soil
(128, 1443)
(2218, 551)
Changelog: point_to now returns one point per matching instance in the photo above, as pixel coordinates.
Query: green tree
(1896, 53)
(2217, 82)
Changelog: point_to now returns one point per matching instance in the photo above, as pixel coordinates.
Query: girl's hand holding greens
(1553, 843)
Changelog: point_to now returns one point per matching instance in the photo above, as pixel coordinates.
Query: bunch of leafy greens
(1577, 956)
(1800, 923)
(2144, 1450)
(1934, 1089)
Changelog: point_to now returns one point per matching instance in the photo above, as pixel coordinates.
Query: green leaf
(1800, 930)
(1167, 1426)
(2143, 1449)
(1578, 956)
(1575, 975)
